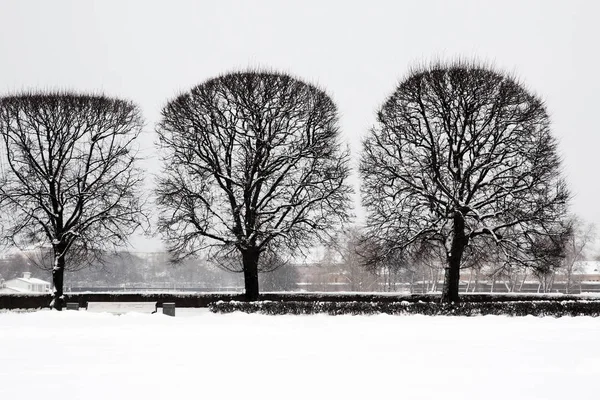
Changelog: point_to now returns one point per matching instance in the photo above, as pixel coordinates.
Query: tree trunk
(469, 282)
(452, 273)
(550, 283)
(523, 282)
(250, 260)
(58, 274)
(569, 279)
(513, 283)
(476, 285)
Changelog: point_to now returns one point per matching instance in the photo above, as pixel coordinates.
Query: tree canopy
(70, 183)
(462, 156)
(253, 170)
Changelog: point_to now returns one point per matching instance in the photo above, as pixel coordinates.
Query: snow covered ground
(198, 355)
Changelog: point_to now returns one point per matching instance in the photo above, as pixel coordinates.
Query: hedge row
(193, 300)
(520, 308)
(386, 297)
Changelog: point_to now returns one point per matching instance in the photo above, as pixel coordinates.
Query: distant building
(26, 284)
(587, 271)
(4, 289)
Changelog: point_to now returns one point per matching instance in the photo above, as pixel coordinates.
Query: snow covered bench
(122, 307)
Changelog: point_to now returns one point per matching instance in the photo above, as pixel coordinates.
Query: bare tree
(344, 256)
(577, 248)
(283, 278)
(252, 168)
(71, 184)
(391, 264)
(462, 157)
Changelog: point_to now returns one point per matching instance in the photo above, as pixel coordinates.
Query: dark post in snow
(253, 169)
(462, 157)
(70, 181)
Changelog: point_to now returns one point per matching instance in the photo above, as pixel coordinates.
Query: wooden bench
(122, 307)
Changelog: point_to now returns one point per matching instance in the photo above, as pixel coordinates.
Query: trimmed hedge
(195, 300)
(185, 300)
(24, 301)
(508, 308)
(386, 297)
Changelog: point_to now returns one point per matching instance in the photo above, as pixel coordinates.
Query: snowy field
(198, 355)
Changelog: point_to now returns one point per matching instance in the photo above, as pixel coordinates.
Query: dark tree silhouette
(252, 169)
(70, 183)
(462, 157)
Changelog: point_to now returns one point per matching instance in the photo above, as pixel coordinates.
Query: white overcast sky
(148, 51)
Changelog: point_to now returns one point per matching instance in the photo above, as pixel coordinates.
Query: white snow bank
(81, 355)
